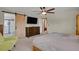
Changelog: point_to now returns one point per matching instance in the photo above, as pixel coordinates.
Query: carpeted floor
(23, 44)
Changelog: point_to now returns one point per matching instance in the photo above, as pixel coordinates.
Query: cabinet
(31, 31)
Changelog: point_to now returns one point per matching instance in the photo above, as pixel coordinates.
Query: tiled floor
(23, 44)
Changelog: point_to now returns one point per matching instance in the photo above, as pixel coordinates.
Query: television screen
(31, 20)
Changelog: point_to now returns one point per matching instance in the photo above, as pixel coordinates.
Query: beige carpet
(23, 44)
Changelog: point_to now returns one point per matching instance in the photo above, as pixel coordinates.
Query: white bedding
(56, 42)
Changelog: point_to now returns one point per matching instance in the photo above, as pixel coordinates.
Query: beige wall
(1, 17)
(63, 22)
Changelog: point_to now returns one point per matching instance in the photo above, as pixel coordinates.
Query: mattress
(56, 42)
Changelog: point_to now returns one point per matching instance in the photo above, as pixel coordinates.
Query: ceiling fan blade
(41, 8)
(51, 12)
(50, 9)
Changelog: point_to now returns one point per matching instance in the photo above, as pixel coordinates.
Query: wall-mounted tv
(31, 20)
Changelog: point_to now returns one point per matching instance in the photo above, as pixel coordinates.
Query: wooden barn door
(20, 25)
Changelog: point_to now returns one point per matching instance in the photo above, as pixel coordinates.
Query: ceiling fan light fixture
(44, 13)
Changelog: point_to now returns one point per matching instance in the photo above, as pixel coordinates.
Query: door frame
(77, 24)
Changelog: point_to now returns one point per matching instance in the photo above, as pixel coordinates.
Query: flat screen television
(31, 20)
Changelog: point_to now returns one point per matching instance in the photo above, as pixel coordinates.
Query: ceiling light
(44, 13)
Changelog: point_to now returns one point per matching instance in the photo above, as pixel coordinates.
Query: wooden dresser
(31, 31)
(1, 29)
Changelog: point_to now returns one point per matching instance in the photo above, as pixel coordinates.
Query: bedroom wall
(1, 18)
(27, 25)
(63, 21)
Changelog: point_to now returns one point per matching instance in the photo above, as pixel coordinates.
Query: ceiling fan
(44, 11)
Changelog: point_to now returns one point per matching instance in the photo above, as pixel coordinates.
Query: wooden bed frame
(35, 49)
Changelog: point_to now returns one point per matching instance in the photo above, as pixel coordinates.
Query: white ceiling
(29, 10)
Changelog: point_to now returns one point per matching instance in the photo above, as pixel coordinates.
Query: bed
(56, 42)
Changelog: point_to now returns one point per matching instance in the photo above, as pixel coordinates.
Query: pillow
(1, 38)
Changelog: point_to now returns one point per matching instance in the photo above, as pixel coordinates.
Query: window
(9, 24)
